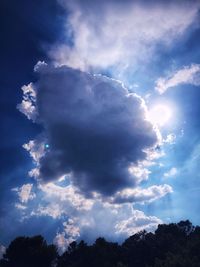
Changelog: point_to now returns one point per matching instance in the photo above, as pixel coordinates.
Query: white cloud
(140, 172)
(84, 218)
(67, 196)
(60, 201)
(25, 192)
(70, 233)
(62, 242)
(27, 106)
(172, 172)
(186, 75)
(71, 229)
(19, 206)
(139, 195)
(35, 172)
(53, 210)
(170, 139)
(123, 34)
(2, 251)
(39, 65)
(121, 221)
(138, 222)
(36, 150)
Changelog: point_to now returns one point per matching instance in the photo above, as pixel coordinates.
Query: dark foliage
(173, 245)
(29, 252)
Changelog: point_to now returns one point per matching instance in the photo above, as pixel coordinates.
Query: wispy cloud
(123, 34)
(186, 75)
(172, 172)
(170, 139)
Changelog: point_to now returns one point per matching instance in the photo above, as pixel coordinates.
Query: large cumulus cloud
(95, 129)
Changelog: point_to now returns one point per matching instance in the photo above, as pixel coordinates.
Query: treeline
(172, 245)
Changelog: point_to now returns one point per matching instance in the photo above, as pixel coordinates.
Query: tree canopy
(172, 245)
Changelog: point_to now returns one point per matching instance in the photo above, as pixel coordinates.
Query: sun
(160, 114)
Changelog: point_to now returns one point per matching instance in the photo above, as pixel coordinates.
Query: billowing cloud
(92, 225)
(138, 222)
(139, 195)
(65, 200)
(95, 131)
(62, 201)
(186, 75)
(120, 34)
(83, 218)
(121, 221)
(25, 193)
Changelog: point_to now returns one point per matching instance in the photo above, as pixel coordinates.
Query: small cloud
(170, 139)
(172, 172)
(19, 206)
(186, 75)
(27, 106)
(62, 242)
(2, 251)
(25, 193)
(52, 210)
(35, 149)
(39, 65)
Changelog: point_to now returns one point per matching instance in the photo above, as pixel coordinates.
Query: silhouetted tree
(29, 252)
(172, 245)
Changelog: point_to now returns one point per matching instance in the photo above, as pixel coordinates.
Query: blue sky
(109, 143)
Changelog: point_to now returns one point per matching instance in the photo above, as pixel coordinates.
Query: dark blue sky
(25, 28)
(98, 150)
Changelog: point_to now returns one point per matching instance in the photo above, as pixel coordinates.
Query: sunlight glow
(160, 114)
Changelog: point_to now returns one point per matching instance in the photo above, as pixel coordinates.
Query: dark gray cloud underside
(94, 127)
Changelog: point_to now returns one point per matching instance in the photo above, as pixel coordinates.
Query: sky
(99, 118)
